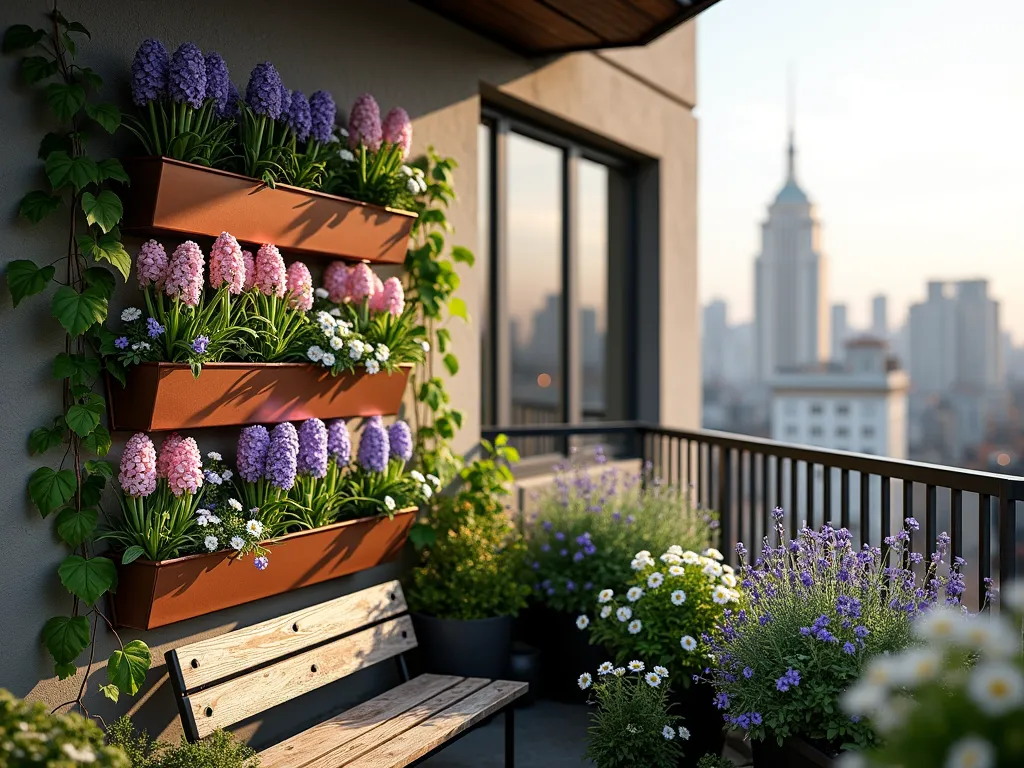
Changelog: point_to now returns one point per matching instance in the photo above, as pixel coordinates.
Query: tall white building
(791, 310)
(714, 341)
(840, 333)
(879, 317)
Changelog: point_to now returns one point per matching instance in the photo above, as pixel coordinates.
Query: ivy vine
(71, 490)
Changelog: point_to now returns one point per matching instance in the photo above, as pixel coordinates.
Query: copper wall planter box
(164, 396)
(153, 594)
(170, 197)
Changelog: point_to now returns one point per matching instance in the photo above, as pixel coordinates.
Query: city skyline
(910, 153)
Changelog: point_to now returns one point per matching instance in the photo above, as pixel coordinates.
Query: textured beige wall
(404, 55)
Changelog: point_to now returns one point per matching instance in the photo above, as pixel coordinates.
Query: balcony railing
(745, 478)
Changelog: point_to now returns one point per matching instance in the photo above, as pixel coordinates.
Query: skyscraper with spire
(790, 297)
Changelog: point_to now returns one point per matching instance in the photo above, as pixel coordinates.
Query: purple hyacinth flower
(263, 93)
(297, 115)
(186, 82)
(218, 84)
(200, 343)
(322, 113)
(149, 72)
(339, 444)
(121, 342)
(400, 439)
(252, 452)
(374, 446)
(312, 459)
(231, 109)
(282, 456)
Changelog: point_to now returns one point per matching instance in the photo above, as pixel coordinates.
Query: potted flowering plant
(631, 725)
(816, 612)
(956, 699)
(584, 534)
(466, 591)
(661, 612)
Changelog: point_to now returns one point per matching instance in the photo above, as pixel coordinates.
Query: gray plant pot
(471, 648)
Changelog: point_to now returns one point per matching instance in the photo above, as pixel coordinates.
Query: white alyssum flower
(413, 185)
(660, 670)
(321, 293)
(131, 314)
(605, 595)
(390, 503)
(634, 594)
(632, 728)
(336, 343)
(372, 367)
(684, 733)
(254, 528)
(215, 456)
(237, 542)
(235, 504)
(668, 731)
(606, 668)
(713, 553)
(211, 543)
(141, 346)
(729, 580)
(676, 570)
(343, 328)
(417, 476)
(406, 170)
(346, 155)
(328, 360)
(653, 679)
(435, 480)
(356, 349)
(82, 755)
(971, 752)
(655, 580)
(634, 627)
(314, 353)
(996, 687)
(619, 671)
(625, 613)
(606, 611)
(203, 517)
(584, 681)
(427, 491)
(678, 597)
(382, 353)
(425, 345)
(688, 643)
(582, 622)
(635, 666)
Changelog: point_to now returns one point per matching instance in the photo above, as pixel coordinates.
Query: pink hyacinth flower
(138, 466)
(394, 296)
(398, 130)
(360, 283)
(185, 274)
(377, 299)
(300, 287)
(227, 264)
(167, 447)
(151, 264)
(364, 123)
(250, 270)
(336, 279)
(185, 468)
(271, 275)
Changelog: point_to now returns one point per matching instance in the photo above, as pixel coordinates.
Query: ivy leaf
(99, 467)
(112, 692)
(463, 255)
(26, 278)
(104, 210)
(75, 26)
(22, 36)
(112, 169)
(107, 247)
(54, 142)
(117, 369)
(100, 279)
(76, 526)
(92, 489)
(62, 169)
(89, 77)
(36, 68)
(78, 312)
(79, 368)
(37, 205)
(451, 362)
(457, 417)
(82, 420)
(132, 554)
(107, 115)
(444, 338)
(42, 439)
(457, 308)
(98, 442)
(87, 579)
(65, 637)
(50, 489)
(65, 99)
(127, 668)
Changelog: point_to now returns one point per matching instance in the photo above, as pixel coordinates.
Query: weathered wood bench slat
(230, 702)
(219, 657)
(442, 727)
(353, 723)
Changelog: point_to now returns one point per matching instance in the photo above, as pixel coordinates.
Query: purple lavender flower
(252, 452)
(588, 586)
(577, 557)
(722, 701)
(559, 536)
(282, 456)
(261, 563)
(777, 513)
(545, 547)
(322, 114)
(312, 459)
(149, 72)
(912, 524)
(563, 552)
(748, 672)
(755, 718)
(121, 342)
(199, 344)
(535, 565)
(849, 648)
(263, 93)
(400, 439)
(570, 585)
(547, 525)
(153, 328)
(186, 81)
(374, 446)
(297, 115)
(630, 519)
(339, 444)
(218, 84)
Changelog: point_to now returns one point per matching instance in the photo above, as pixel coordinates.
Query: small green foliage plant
(715, 761)
(218, 750)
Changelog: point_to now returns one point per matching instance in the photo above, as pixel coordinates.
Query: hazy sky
(910, 140)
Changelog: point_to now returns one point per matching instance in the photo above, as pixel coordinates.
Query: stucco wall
(404, 55)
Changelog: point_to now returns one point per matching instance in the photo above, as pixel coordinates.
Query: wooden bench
(221, 681)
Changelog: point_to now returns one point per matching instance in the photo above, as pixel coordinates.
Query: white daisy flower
(355, 349)
(368, 348)
(671, 559)
(728, 569)
(668, 731)
(989, 634)
(676, 570)
(939, 624)
(918, 666)
(619, 671)
(634, 627)
(582, 622)
(605, 595)
(417, 476)
(881, 671)
(721, 595)
(584, 681)
(83, 755)
(406, 170)
(690, 557)
(863, 698)
(713, 553)
(427, 491)
(606, 612)
(971, 752)
(372, 367)
(131, 314)
(678, 597)
(325, 319)
(606, 668)
(1012, 596)
(625, 613)
(634, 594)
(688, 643)
(643, 554)
(382, 353)
(675, 549)
(996, 687)
(328, 360)
(321, 293)
(653, 680)
(254, 528)
(635, 666)
(684, 733)
(655, 580)
(661, 671)
(314, 353)
(211, 543)
(237, 542)
(336, 342)
(712, 570)
(235, 504)
(729, 580)
(389, 503)
(215, 456)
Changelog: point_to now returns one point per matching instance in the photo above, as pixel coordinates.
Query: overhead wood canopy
(546, 27)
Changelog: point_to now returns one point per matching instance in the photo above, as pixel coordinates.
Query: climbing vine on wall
(77, 191)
